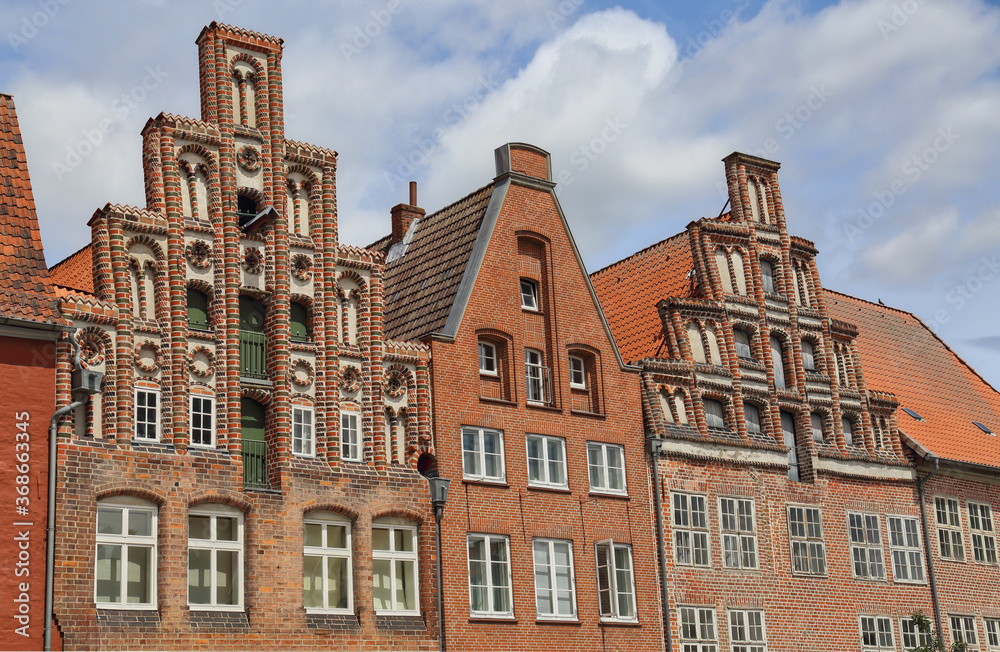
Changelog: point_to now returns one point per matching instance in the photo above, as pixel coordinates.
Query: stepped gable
(901, 355)
(420, 286)
(630, 307)
(27, 293)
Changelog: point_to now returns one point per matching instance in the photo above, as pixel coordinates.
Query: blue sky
(885, 115)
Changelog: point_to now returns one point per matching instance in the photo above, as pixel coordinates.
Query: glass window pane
(314, 535)
(109, 521)
(406, 590)
(226, 577)
(380, 539)
(226, 529)
(339, 581)
(382, 581)
(199, 580)
(199, 527)
(336, 536)
(137, 583)
(109, 562)
(140, 523)
(312, 582)
(404, 540)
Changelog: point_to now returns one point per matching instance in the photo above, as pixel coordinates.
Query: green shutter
(197, 302)
(300, 323)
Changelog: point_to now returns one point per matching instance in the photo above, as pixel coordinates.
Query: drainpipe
(50, 529)
(927, 539)
(653, 447)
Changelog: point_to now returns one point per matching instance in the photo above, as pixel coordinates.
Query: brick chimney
(404, 214)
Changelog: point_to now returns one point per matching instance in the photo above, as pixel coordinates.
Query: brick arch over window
(104, 492)
(311, 221)
(349, 513)
(247, 108)
(499, 385)
(262, 396)
(674, 403)
(148, 241)
(219, 497)
(208, 167)
(399, 512)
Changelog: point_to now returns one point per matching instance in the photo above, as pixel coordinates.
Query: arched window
(680, 407)
(326, 577)
(694, 339)
(715, 414)
(818, 427)
(722, 264)
(300, 323)
(197, 310)
(848, 426)
(744, 348)
(752, 414)
(666, 406)
(215, 556)
(713, 345)
(788, 439)
(754, 206)
(767, 276)
(778, 363)
(808, 356)
(125, 559)
(253, 444)
(394, 566)
(253, 358)
(246, 209)
(739, 271)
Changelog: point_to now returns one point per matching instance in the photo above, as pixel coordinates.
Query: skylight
(984, 428)
(913, 414)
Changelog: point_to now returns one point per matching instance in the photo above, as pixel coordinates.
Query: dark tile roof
(25, 291)
(900, 354)
(76, 272)
(630, 289)
(420, 287)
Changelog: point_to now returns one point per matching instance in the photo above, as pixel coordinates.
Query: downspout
(438, 509)
(927, 539)
(653, 447)
(50, 529)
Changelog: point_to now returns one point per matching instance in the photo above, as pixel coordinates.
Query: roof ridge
(72, 255)
(872, 303)
(458, 201)
(637, 253)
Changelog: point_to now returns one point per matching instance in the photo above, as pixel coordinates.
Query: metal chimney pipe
(413, 193)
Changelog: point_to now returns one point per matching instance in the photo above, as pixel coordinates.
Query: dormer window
(767, 275)
(529, 294)
(487, 359)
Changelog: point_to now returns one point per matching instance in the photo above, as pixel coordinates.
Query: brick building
(248, 476)
(790, 512)
(547, 534)
(30, 325)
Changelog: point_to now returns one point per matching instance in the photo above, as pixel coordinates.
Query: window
(697, 629)
(546, 461)
(482, 454)
(788, 438)
(876, 634)
(904, 544)
(805, 531)
(752, 413)
(202, 420)
(913, 637)
(394, 568)
(215, 557)
(529, 294)
(866, 546)
(816, 423)
(744, 348)
(778, 363)
(577, 372)
(984, 541)
(487, 359)
(147, 414)
(767, 275)
(690, 529)
(197, 310)
(992, 633)
(350, 436)
(739, 540)
(949, 526)
(555, 585)
(615, 585)
(326, 575)
(963, 630)
(607, 467)
(299, 323)
(746, 630)
(536, 376)
(125, 572)
(303, 440)
(715, 414)
(848, 426)
(808, 356)
(489, 575)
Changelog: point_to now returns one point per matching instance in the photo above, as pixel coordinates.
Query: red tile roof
(76, 272)
(630, 289)
(900, 354)
(25, 291)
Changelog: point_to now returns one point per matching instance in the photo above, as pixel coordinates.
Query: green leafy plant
(923, 625)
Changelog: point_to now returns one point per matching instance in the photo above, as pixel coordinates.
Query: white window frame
(210, 431)
(689, 521)
(124, 541)
(480, 455)
(529, 299)
(156, 415)
(911, 636)
(604, 468)
(577, 372)
(965, 632)
(981, 533)
(351, 444)
(535, 377)
(692, 621)
(880, 643)
(549, 571)
(807, 536)
(743, 636)
(951, 529)
(738, 527)
(215, 546)
(326, 552)
(303, 431)
(489, 587)
(487, 356)
(867, 556)
(992, 626)
(545, 462)
(906, 549)
(399, 555)
(617, 582)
